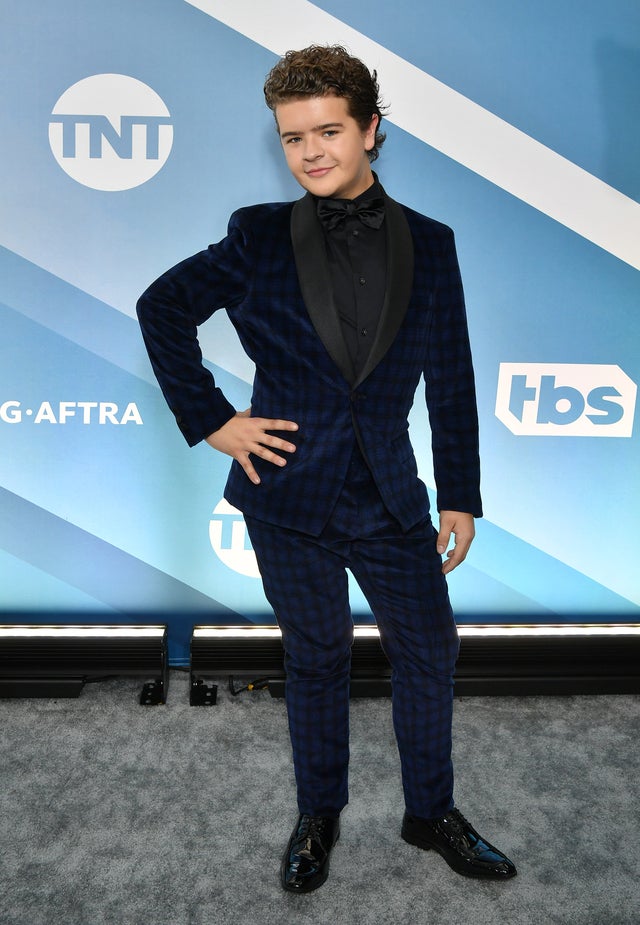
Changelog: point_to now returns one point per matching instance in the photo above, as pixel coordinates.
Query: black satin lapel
(399, 284)
(313, 275)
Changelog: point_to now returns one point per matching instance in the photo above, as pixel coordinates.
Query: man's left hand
(462, 527)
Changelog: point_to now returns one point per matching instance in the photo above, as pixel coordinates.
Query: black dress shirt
(357, 255)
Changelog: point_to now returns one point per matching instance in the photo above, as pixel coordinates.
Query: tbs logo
(565, 400)
(110, 132)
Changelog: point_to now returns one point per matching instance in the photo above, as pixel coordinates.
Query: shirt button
(364, 332)
(355, 232)
(362, 280)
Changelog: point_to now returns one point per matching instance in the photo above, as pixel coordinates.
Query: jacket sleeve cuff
(196, 427)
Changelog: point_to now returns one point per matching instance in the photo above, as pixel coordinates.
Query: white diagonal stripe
(453, 124)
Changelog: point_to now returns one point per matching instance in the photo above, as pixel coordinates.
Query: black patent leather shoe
(459, 844)
(305, 865)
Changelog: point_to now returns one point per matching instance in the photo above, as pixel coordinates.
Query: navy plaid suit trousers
(306, 583)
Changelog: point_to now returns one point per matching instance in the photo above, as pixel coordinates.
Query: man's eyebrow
(315, 128)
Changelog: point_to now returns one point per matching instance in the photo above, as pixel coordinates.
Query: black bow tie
(332, 212)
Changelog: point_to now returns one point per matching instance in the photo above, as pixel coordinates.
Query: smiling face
(325, 148)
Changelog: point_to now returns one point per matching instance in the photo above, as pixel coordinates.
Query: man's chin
(324, 186)
(335, 184)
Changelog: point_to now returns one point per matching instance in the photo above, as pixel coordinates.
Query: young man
(343, 300)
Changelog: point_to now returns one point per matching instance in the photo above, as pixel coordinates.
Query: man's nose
(312, 149)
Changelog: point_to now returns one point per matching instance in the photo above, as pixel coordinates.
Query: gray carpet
(177, 815)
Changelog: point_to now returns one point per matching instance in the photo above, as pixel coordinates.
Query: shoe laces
(312, 827)
(311, 832)
(458, 828)
(458, 820)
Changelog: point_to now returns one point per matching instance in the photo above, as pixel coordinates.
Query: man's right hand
(242, 435)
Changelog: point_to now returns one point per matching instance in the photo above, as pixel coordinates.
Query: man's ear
(370, 133)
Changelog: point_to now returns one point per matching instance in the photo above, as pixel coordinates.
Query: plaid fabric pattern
(400, 574)
(252, 274)
(326, 510)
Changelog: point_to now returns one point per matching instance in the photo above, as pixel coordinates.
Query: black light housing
(58, 660)
(495, 659)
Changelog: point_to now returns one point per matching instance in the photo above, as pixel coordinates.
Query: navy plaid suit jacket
(271, 275)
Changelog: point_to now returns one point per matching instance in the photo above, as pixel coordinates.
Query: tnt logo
(565, 400)
(110, 132)
(230, 540)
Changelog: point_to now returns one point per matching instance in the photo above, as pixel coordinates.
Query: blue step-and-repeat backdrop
(132, 130)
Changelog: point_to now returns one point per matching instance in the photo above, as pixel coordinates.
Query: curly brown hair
(328, 70)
